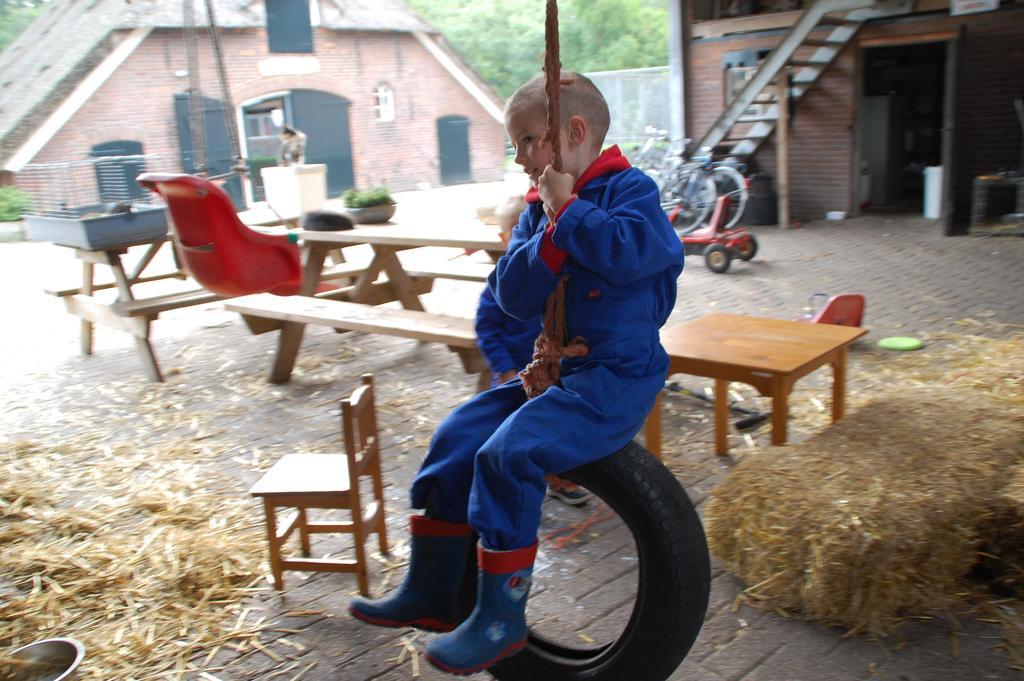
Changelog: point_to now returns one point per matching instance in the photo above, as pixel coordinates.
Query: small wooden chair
(329, 481)
(845, 309)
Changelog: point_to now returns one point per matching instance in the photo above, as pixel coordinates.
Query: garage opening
(902, 126)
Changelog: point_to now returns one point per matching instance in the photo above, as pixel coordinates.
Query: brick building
(382, 98)
(909, 87)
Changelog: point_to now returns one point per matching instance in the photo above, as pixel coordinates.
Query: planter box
(101, 232)
(371, 214)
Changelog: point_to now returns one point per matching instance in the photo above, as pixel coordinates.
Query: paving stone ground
(916, 281)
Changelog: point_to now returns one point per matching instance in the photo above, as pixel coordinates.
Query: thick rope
(551, 345)
(552, 84)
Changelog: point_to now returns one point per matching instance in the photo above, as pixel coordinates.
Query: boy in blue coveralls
(505, 342)
(600, 222)
(507, 345)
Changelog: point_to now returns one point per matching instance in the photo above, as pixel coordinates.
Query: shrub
(256, 164)
(354, 198)
(13, 203)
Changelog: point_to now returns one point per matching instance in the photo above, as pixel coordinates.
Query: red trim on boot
(507, 652)
(504, 562)
(422, 526)
(425, 623)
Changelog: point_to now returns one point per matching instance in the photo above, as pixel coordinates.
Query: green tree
(613, 34)
(503, 40)
(15, 15)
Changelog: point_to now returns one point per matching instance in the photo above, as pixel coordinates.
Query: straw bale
(1001, 561)
(873, 518)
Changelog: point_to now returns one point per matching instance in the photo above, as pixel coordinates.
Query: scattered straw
(142, 553)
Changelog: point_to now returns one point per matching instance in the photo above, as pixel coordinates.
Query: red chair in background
(216, 248)
(845, 309)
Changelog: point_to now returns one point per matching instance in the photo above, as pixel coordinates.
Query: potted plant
(369, 206)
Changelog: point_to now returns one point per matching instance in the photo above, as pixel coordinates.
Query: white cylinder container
(933, 192)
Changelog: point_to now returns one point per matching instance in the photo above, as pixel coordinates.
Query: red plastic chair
(215, 248)
(845, 309)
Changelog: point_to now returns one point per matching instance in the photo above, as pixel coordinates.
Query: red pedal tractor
(718, 246)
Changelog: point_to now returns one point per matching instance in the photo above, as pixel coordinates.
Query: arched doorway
(324, 118)
(262, 122)
(453, 147)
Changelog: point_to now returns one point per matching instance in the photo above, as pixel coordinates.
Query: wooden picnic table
(319, 304)
(769, 354)
(386, 241)
(130, 311)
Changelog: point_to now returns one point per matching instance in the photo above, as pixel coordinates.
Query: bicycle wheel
(689, 206)
(659, 178)
(730, 182)
(649, 616)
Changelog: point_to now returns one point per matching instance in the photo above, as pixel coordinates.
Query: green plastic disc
(900, 343)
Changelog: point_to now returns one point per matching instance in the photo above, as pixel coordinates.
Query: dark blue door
(453, 143)
(288, 26)
(219, 155)
(324, 119)
(115, 176)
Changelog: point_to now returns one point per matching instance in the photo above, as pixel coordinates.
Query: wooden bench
(343, 270)
(73, 289)
(457, 333)
(132, 316)
(461, 271)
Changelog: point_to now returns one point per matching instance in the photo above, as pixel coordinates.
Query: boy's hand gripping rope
(550, 346)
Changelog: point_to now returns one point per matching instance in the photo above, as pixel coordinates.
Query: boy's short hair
(578, 97)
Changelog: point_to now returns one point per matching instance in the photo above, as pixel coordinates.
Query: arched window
(384, 102)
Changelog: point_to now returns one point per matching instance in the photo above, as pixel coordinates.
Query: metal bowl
(52, 659)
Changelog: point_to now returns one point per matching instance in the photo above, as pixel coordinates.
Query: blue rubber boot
(496, 628)
(429, 596)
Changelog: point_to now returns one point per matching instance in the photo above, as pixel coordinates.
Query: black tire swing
(674, 572)
(674, 579)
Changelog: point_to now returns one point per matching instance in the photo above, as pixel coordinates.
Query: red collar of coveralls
(611, 160)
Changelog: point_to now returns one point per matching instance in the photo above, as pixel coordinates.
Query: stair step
(742, 138)
(837, 21)
(803, 62)
(811, 42)
(757, 119)
(720, 149)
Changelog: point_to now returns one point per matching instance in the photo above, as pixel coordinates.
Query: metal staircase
(841, 19)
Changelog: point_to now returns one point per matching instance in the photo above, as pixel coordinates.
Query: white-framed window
(384, 102)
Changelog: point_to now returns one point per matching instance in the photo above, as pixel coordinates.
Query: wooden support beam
(782, 140)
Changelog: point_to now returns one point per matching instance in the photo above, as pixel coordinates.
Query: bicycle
(692, 184)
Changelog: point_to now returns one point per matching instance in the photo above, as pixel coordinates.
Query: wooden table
(769, 354)
(266, 217)
(386, 241)
(128, 312)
